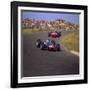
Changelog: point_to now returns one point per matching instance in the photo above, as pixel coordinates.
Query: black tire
(38, 42)
(41, 46)
(58, 47)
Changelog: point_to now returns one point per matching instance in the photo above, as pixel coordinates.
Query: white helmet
(47, 40)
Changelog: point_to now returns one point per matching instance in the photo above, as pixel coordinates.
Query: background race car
(54, 34)
(50, 45)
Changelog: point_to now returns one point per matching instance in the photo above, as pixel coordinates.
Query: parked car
(54, 34)
(49, 45)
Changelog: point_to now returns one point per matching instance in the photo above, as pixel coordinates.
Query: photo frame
(30, 66)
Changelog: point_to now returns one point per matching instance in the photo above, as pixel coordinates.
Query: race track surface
(36, 62)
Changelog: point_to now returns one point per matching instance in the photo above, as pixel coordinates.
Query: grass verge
(71, 41)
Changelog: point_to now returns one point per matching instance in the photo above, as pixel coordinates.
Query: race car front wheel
(41, 47)
(38, 44)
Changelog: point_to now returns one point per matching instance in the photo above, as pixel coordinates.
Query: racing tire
(41, 47)
(38, 42)
(58, 47)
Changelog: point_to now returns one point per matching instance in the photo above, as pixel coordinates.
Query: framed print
(48, 44)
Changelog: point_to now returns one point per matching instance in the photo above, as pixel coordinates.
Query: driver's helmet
(47, 40)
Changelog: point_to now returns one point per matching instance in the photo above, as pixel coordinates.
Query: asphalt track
(36, 62)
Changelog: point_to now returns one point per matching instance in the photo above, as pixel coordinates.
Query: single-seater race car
(49, 45)
(54, 34)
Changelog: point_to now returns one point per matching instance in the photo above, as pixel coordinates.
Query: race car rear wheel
(38, 44)
(58, 47)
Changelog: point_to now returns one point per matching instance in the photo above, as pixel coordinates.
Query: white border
(52, 78)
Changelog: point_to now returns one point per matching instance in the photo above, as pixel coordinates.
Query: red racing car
(54, 34)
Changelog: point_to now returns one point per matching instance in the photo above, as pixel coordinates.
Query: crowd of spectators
(49, 25)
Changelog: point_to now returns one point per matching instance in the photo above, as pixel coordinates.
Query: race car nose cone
(51, 46)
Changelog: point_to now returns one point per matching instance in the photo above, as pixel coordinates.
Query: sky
(69, 17)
